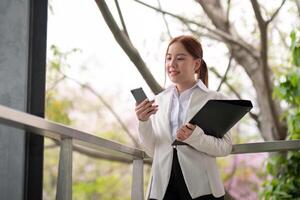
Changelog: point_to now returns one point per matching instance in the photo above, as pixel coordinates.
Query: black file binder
(217, 117)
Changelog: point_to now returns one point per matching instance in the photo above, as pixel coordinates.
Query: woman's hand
(145, 109)
(185, 131)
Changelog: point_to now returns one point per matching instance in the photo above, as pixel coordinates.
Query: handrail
(269, 146)
(57, 131)
(70, 137)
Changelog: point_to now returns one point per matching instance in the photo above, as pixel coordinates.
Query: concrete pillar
(23, 26)
(14, 34)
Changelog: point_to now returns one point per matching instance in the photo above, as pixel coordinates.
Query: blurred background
(97, 51)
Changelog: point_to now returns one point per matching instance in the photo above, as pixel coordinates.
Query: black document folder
(217, 117)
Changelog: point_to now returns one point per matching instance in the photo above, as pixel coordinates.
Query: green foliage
(57, 110)
(295, 48)
(59, 57)
(284, 168)
(289, 89)
(104, 188)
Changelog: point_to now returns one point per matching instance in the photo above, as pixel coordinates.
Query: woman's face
(180, 64)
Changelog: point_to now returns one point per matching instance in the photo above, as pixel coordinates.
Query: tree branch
(228, 38)
(217, 74)
(227, 12)
(56, 83)
(225, 75)
(89, 88)
(276, 12)
(128, 47)
(85, 86)
(199, 34)
(261, 22)
(297, 2)
(122, 19)
(165, 20)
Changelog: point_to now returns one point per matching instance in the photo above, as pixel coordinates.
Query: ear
(197, 65)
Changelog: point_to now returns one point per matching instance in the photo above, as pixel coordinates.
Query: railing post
(64, 182)
(137, 187)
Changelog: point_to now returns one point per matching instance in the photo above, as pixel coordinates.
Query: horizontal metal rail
(270, 146)
(57, 131)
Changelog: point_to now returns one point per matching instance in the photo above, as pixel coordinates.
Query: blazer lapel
(197, 101)
(164, 115)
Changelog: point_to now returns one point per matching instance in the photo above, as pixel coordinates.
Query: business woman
(182, 172)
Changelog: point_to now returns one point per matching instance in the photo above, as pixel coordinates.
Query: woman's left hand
(185, 131)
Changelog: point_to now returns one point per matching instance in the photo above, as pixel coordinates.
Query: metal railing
(69, 137)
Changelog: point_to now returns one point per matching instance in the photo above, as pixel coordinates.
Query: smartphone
(139, 95)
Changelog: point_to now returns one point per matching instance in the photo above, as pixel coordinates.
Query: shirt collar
(199, 84)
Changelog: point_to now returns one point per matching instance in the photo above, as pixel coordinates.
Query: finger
(146, 107)
(183, 135)
(192, 126)
(151, 113)
(148, 110)
(185, 129)
(139, 106)
(147, 104)
(178, 137)
(146, 101)
(153, 107)
(140, 110)
(188, 127)
(179, 134)
(145, 116)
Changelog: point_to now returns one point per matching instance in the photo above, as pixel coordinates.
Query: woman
(183, 171)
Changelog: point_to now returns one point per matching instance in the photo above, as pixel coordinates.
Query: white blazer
(197, 162)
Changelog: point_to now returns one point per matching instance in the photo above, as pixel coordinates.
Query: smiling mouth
(173, 73)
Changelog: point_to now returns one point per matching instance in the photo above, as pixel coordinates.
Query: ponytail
(203, 73)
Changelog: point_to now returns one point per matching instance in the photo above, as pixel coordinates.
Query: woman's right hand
(145, 109)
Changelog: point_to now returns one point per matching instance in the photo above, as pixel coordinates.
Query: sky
(81, 26)
(104, 65)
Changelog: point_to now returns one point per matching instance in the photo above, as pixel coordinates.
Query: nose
(171, 63)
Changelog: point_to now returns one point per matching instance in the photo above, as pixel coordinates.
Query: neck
(184, 86)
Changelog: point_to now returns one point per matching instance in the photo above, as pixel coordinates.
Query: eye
(180, 58)
(168, 58)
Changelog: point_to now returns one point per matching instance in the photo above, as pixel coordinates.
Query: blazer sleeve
(146, 136)
(209, 144)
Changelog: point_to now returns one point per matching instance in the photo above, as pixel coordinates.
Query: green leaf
(293, 40)
(294, 80)
(296, 56)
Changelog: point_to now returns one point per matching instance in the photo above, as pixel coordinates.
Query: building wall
(14, 31)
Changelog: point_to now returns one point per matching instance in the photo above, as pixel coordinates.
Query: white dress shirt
(179, 107)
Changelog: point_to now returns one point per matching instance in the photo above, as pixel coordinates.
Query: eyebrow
(180, 54)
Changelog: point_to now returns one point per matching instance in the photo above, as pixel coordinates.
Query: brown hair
(194, 47)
